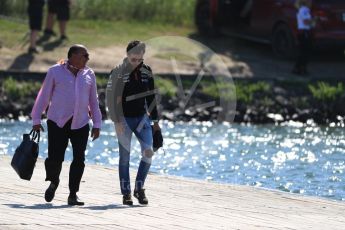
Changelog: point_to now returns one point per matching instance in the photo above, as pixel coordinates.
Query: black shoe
(140, 195)
(49, 33)
(33, 50)
(50, 192)
(63, 37)
(74, 200)
(127, 199)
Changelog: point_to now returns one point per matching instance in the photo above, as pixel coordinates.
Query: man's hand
(156, 126)
(95, 133)
(38, 128)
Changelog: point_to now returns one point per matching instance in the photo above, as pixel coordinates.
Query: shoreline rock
(276, 102)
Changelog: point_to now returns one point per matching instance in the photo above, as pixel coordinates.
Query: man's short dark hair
(75, 49)
(136, 47)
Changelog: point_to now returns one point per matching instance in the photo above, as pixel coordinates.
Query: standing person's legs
(57, 144)
(299, 59)
(306, 48)
(144, 134)
(62, 26)
(50, 18)
(79, 140)
(124, 140)
(49, 24)
(63, 15)
(35, 12)
(33, 41)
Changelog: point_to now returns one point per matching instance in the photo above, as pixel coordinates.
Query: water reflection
(292, 157)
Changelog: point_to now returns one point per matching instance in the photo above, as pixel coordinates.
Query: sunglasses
(85, 55)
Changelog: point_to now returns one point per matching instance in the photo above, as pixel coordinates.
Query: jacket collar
(128, 67)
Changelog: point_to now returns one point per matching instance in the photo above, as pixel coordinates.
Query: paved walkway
(174, 203)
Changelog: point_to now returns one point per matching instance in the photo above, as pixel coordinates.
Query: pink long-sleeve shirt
(68, 95)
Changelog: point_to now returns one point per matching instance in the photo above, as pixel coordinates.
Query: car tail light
(213, 8)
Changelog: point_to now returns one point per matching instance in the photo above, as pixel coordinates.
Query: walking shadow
(37, 206)
(43, 39)
(50, 206)
(22, 62)
(49, 46)
(111, 206)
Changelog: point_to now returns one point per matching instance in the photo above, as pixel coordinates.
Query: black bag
(25, 156)
(157, 139)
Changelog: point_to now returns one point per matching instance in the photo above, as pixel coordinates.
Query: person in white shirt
(305, 23)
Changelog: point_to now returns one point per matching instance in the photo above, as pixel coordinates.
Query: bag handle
(35, 135)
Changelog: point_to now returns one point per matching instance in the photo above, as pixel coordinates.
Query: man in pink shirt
(70, 91)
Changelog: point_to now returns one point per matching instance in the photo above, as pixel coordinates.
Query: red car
(271, 21)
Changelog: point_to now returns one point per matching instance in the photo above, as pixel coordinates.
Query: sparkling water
(291, 157)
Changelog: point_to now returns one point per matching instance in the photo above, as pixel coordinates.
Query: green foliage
(176, 12)
(166, 87)
(112, 22)
(15, 8)
(246, 91)
(101, 82)
(229, 91)
(323, 91)
(267, 101)
(226, 91)
(104, 33)
(12, 33)
(16, 90)
(301, 102)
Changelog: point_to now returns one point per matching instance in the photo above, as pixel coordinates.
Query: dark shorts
(35, 12)
(60, 8)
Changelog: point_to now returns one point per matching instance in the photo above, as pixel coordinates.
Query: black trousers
(57, 144)
(35, 12)
(61, 8)
(304, 49)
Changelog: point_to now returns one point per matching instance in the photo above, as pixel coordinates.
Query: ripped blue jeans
(141, 127)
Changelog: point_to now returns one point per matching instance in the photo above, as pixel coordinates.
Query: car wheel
(203, 21)
(283, 42)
